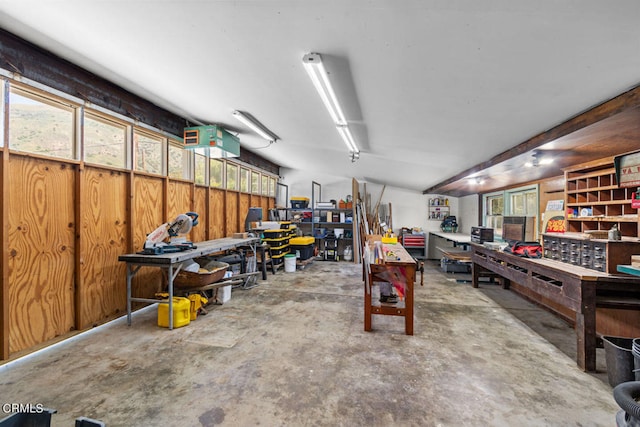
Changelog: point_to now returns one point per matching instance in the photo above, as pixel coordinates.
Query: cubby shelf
(595, 202)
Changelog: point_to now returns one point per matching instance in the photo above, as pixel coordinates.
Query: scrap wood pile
(373, 218)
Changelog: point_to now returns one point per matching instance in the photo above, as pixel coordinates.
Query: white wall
(409, 208)
(468, 216)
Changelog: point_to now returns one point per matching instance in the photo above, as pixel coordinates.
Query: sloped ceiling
(431, 88)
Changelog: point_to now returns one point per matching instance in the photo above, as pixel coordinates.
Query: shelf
(595, 188)
(607, 203)
(333, 209)
(605, 219)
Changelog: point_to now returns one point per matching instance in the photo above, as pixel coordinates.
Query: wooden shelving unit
(597, 202)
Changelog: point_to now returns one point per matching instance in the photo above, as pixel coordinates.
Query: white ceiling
(431, 87)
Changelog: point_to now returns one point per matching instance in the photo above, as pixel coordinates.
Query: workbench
(579, 289)
(458, 239)
(172, 262)
(400, 270)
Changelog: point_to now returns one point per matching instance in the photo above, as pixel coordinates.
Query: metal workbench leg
(170, 285)
(130, 273)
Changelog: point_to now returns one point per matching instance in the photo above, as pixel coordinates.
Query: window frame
(162, 140)
(51, 101)
(507, 209)
(100, 117)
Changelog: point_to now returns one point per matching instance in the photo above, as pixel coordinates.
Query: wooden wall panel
(217, 210)
(104, 237)
(147, 216)
(179, 201)
(243, 209)
(199, 233)
(231, 213)
(41, 251)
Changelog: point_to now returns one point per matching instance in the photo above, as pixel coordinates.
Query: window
(521, 201)
(40, 125)
(216, 173)
(493, 211)
(47, 124)
(200, 166)
(272, 187)
(178, 165)
(105, 141)
(255, 182)
(245, 175)
(232, 176)
(148, 152)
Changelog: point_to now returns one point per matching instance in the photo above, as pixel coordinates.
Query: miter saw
(156, 242)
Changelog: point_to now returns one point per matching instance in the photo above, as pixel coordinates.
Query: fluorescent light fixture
(255, 126)
(318, 74)
(345, 133)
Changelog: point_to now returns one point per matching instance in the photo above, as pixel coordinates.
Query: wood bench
(579, 289)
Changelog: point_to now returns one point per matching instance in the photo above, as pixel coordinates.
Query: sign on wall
(628, 169)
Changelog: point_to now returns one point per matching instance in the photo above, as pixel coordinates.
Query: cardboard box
(240, 235)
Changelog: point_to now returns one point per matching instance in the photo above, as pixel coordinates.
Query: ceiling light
(255, 125)
(345, 133)
(318, 74)
(537, 159)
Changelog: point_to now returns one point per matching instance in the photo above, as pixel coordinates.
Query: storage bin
(181, 313)
(302, 247)
(299, 202)
(279, 250)
(274, 234)
(278, 259)
(302, 241)
(274, 243)
(302, 251)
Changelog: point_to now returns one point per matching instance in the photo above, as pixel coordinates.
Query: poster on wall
(628, 169)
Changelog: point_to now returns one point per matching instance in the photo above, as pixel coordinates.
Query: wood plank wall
(65, 224)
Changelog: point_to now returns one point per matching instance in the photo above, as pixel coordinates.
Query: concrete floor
(293, 352)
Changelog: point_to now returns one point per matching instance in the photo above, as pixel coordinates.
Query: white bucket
(290, 263)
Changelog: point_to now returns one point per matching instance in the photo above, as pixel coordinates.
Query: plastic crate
(275, 234)
(299, 202)
(282, 250)
(274, 243)
(302, 251)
